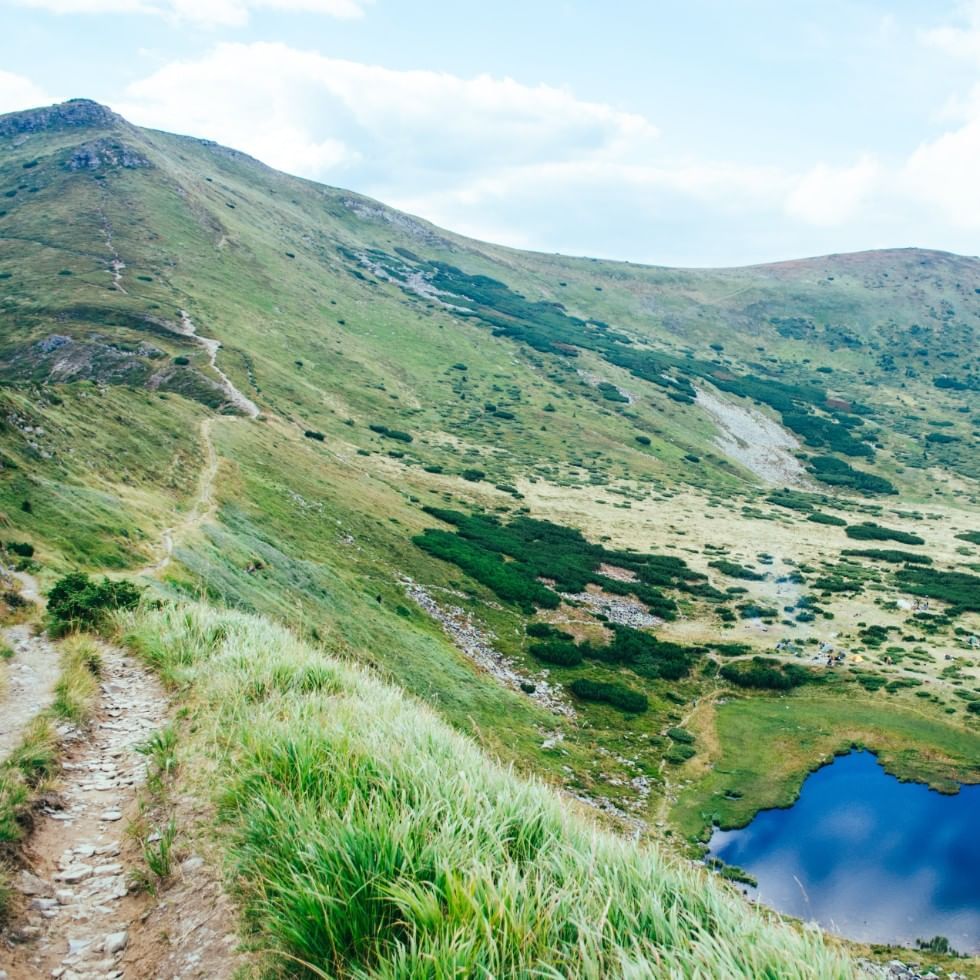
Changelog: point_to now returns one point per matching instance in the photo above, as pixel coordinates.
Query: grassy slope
(368, 839)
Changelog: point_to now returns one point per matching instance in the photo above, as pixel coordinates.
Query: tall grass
(78, 684)
(26, 770)
(368, 839)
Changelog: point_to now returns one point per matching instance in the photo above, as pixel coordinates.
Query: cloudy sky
(689, 132)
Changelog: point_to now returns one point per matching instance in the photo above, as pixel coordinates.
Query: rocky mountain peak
(75, 113)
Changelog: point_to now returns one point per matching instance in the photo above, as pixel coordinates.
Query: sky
(676, 132)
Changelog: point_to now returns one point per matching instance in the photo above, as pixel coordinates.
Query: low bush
(734, 570)
(396, 434)
(618, 695)
(869, 531)
(78, 602)
(545, 631)
(767, 674)
(558, 652)
(888, 554)
(819, 517)
(313, 434)
(837, 473)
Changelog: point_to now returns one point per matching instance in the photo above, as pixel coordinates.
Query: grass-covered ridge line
(368, 839)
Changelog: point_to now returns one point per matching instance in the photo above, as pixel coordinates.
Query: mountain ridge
(82, 112)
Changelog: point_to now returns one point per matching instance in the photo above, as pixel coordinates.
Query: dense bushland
(960, 589)
(538, 549)
(837, 473)
(642, 652)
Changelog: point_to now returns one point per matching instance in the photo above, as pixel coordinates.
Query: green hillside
(575, 506)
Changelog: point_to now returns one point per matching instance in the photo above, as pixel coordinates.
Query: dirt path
(29, 588)
(242, 402)
(79, 910)
(669, 797)
(31, 676)
(203, 508)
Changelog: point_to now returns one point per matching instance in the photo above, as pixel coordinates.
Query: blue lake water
(867, 856)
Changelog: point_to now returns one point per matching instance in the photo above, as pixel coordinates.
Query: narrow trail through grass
(202, 508)
(80, 908)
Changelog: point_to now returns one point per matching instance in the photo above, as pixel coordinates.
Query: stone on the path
(115, 942)
(110, 816)
(29, 884)
(76, 946)
(75, 873)
(108, 869)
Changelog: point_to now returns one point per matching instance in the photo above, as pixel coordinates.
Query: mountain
(563, 501)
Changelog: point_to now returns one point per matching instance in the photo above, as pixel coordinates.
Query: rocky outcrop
(104, 154)
(67, 115)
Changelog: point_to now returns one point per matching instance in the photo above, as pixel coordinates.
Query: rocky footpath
(76, 888)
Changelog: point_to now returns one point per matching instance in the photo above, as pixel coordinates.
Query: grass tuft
(78, 685)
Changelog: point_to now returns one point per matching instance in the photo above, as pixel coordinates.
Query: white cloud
(18, 92)
(481, 155)
(319, 116)
(961, 41)
(215, 13)
(827, 195)
(493, 157)
(943, 171)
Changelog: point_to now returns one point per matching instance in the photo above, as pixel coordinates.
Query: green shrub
(473, 475)
(610, 392)
(869, 531)
(888, 554)
(562, 653)
(181, 360)
(766, 673)
(396, 434)
(545, 631)
(735, 570)
(313, 434)
(960, 589)
(837, 473)
(679, 753)
(21, 548)
(78, 602)
(618, 695)
(818, 517)
(643, 440)
(791, 500)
